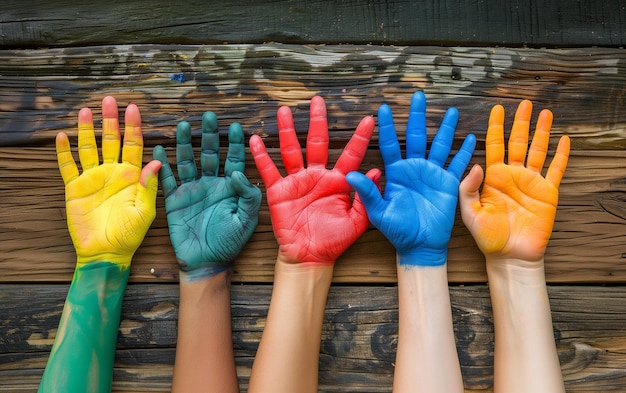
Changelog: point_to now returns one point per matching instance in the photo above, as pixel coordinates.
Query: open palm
(102, 213)
(518, 210)
(203, 222)
(420, 205)
(514, 213)
(417, 211)
(313, 215)
(210, 218)
(110, 206)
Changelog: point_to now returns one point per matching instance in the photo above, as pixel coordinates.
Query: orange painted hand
(110, 206)
(313, 215)
(513, 215)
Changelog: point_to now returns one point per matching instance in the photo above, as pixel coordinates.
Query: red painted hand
(313, 215)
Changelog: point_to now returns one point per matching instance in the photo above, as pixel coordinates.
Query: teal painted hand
(210, 218)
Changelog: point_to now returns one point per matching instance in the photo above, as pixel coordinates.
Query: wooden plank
(461, 22)
(587, 244)
(41, 91)
(358, 342)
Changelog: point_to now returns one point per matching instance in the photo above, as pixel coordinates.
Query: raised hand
(313, 215)
(111, 205)
(420, 196)
(210, 218)
(109, 209)
(514, 213)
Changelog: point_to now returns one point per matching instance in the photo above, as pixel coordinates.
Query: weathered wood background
(244, 61)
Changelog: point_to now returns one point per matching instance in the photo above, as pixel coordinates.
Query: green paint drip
(82, 355)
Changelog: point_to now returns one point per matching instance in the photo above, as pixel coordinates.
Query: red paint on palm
(313, 215)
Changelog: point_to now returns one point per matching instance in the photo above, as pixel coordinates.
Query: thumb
(469, 195)
(145, 202)
(368, 201)
(249, 198)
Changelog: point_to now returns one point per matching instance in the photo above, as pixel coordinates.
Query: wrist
(102, 268)
(511, 271)
(203, 273)
(304, 265)
(422, 257)
(308, 278)
(302, 289)
(122, 261)
(207, 288)
(100, 276)
(304, 269)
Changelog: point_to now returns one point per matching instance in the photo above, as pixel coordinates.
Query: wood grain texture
(177, 61)
(41, 91)
(358, 342)
(246, 83)
(587, 244)
(490, 22)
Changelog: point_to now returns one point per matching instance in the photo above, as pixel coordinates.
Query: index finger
(352, 156)
(387, 139)
(132, 151)
(494, 143)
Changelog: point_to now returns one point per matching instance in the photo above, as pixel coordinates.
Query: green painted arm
(110, 207)
(82, 356)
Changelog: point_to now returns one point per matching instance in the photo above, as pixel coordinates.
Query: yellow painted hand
(514, 213)
(110, 206)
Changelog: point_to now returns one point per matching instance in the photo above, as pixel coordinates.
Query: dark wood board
(358, 342)
(41, 91)
(401, 22)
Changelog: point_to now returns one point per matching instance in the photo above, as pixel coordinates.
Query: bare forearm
(526, 359)
(204, 351)
(288, 355)
(426, 356)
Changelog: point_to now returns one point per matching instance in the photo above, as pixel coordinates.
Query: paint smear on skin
(82, 356)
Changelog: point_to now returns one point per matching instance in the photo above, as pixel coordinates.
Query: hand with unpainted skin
(315, 220)
(110, 206)
(511, 219)
(416, 213)
(210, 219)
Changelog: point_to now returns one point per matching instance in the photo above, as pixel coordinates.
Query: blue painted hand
(417, 211)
